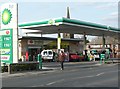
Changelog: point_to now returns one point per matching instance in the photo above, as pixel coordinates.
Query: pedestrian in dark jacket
(61, 59)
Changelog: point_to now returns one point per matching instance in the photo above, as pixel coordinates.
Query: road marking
(37, 86)
(102, 83)
(91, 75)
(87, 76)
(51, 83)
(112, 64)
(113, 71)
(98, 64)
(100, 74)
(80, 77)
(55, 82)
(90, 68)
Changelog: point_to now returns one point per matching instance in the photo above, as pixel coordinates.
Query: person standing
(54, 54)
(85, 55)
(61, 59)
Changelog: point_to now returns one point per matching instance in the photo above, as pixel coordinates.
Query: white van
(47, 55)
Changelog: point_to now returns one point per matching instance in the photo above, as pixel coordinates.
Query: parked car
(47, 55)
(75, 57)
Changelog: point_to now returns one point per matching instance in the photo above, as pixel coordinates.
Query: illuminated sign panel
(8, 31)
(6, 48)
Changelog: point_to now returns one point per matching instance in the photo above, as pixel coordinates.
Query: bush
(20, 67)
(4, 69)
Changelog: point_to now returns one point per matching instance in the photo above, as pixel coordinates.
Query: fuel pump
(39, 59)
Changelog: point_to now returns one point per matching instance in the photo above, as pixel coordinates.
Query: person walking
(61, 59)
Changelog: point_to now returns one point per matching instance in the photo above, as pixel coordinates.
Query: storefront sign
(31, 42)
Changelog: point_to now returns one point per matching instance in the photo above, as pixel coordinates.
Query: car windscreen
(45, 53)
(49, 52)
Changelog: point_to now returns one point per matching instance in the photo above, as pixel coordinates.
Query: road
(74, 75)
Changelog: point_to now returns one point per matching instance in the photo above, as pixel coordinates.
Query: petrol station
(71, 26)
(50, 26)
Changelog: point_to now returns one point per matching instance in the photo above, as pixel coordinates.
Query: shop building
(32, 46)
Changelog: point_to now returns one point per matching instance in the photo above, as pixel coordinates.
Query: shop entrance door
(33, 52)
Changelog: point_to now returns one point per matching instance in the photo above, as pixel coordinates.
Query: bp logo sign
(6, 16)
(51, 21)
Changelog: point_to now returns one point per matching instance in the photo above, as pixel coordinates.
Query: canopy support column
(103, 42)
(84, 41)
(59, 41)
(42, 41)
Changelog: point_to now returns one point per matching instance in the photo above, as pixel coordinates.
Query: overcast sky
(96, 12)
(105, 12)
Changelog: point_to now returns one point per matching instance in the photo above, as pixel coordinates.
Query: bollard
(39, 59)
(100, 60)
(4, 67)
(9, 69)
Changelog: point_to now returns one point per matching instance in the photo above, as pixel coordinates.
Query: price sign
(6, 38)
(6, 45)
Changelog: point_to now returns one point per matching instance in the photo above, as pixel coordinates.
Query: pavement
(46, 68)
(18, 74)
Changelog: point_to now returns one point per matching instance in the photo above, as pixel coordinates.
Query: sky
(105, 12)
(97, 12)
